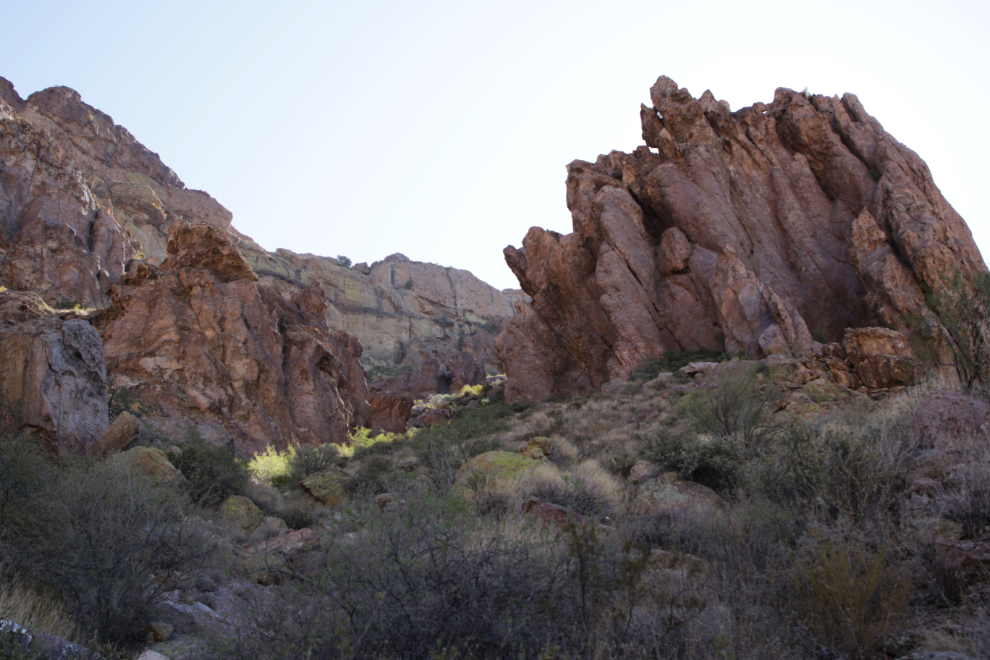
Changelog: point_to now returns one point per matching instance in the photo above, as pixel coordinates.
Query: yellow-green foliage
(362, 439)
(472, 390)
(272, 466)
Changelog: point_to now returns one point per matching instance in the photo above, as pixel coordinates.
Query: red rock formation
(201, 336)
(749, 231)
(89, 215)
(79, 197)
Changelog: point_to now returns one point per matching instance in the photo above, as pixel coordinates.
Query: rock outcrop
(82, 202)
(52, 376)
(199, 335)
(424, 328)
(80, 197)
(762, 232)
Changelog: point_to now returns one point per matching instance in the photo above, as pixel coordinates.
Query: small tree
(961, 333)
(344, 260)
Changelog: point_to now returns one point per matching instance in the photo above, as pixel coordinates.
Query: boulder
(640, 471)
(53, 376)
(966, 561)
(118, 435)
(739, 231)
(880, 356)
(327, 486)
(158, 631)
(667, 493)
(240, 512)
(389, 412)
(551, 515)
(492, 468)
(149, 461)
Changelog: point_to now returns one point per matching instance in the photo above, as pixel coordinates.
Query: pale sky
(442, 129)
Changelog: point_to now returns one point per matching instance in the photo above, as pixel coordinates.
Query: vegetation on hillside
(770, 519)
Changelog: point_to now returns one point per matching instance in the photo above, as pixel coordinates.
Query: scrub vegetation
(720, 517)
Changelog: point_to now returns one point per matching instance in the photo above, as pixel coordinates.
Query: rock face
(81, 202)
(201, 336)
(52, 375)
(424, 328)
(758, 232)
(80, 197)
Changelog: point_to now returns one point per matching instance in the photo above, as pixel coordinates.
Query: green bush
(272, 467)
(212, 472)
(308, 459)
(845, 472)
(716, 463)
(959, 335)
(737, 404)
(24, 473)
(370, 478)
(14, 646)
(111, 542)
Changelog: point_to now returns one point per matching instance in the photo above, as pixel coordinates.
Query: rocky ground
(723, 509)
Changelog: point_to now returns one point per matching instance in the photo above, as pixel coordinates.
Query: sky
(442, 129)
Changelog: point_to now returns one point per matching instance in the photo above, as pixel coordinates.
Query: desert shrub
(122, 399)
(429, 579)
(212, 472)
(370, 478)
(386, 371)
(442, 449)
(308, 459)
(363, 443)
(851, 596)
(272, 467)
(265, 496)
(492, 502)
(847, 473)
(112, 543)
(622, 463)
(563, 452)
(587, 490)
(24, 472)
(297, 513)
(946, 586)
(969, 502)
(715, 462)
(961, 330)
(737, 404)
(14, 645)
(472, 390)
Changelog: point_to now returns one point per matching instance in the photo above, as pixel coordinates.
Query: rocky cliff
(196, 319)
(424, 328)
(80, 198)
(764, 231)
